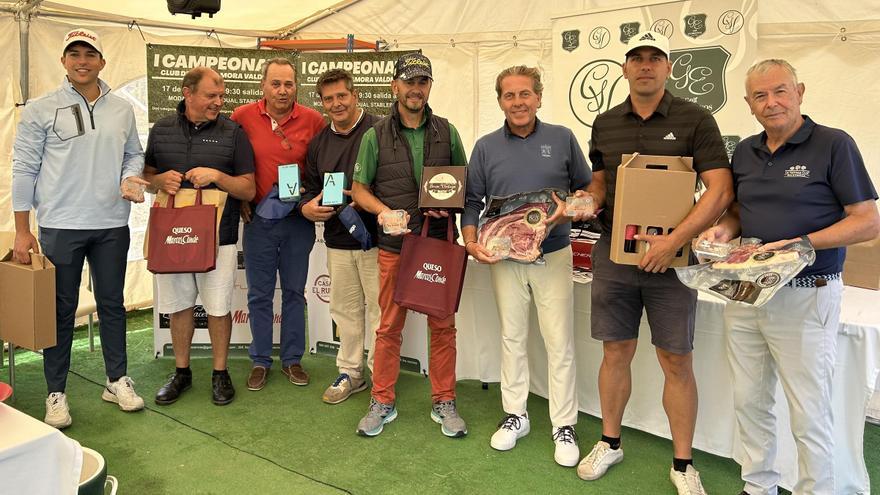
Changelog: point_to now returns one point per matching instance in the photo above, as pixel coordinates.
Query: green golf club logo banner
(241, 71)
(712, 45)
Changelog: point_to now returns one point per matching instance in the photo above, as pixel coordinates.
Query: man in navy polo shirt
(796, 180)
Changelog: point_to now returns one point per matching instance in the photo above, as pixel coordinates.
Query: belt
(813, 280)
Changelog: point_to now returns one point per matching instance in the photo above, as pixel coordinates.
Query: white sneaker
(57, 411)
(122, 392)
(510, 429)
(688, 482)
(597, 462)
(567, 453)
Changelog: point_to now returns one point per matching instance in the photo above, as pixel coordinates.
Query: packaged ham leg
(513, 226)
(748, 274)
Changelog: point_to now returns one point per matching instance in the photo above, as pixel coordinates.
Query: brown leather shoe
(257, 379)
(296, 374)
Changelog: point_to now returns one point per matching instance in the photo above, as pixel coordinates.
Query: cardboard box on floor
(187, 197)
(862, 266)
(651, 191)
(27, 302)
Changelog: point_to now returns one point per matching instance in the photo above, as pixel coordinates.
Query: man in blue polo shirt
(525, 155)
(796, 180)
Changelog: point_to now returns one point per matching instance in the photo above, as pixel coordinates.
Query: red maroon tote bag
(431, 273)
(182, 240)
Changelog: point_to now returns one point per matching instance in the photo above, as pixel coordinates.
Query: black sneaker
(177, 384)
(222, 389)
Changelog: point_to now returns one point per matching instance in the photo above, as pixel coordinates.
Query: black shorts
(619, 292)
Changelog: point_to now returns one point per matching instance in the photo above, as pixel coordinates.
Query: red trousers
(386, 355)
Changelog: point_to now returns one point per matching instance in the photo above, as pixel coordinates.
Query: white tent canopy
(833, 44)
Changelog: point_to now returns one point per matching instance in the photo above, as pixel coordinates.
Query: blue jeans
(277, 246)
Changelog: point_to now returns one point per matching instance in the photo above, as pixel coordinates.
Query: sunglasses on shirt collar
(284, 142)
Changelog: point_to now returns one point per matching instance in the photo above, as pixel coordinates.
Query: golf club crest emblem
(571, 40)
(695, 25)
(628, 30)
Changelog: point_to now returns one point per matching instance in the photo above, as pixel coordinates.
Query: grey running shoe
(451, 424)
(379, 414)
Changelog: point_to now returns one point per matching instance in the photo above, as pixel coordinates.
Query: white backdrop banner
(712, 44)
(241, 329)
(322, 336)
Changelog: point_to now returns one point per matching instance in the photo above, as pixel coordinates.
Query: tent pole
(24, 23)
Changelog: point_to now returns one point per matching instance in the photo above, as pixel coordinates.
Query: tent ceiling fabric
(262, 15)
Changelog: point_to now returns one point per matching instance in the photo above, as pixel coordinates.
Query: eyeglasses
(284, 142)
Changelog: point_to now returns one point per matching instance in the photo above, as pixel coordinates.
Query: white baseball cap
(84, 35)
(649, 38)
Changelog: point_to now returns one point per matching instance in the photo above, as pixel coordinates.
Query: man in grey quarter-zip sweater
(77, 160)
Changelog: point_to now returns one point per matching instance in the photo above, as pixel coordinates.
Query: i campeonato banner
(712, 43)
(241, 71)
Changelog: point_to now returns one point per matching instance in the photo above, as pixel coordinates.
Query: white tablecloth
(858, 366)
(36, 459)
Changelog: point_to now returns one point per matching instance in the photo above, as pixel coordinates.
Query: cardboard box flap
(38, 261)
(660, 162)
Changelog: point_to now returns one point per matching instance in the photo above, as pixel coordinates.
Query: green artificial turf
(284, 440)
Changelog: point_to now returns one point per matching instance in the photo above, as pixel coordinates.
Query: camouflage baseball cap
(412, 65)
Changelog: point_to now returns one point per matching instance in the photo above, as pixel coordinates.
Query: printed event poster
(712, 43)
(242, 70)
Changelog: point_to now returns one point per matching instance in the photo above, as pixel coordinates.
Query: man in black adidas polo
(651, 121)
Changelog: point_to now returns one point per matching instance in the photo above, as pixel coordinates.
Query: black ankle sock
(184, 371)
(614, 442)
(220, 372)
(681, 465)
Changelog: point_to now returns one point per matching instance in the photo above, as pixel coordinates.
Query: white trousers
(354, 305)
(793, 339)
(551, 288)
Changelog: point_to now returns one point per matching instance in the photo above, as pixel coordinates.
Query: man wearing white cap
(77, 160)
(653, 122)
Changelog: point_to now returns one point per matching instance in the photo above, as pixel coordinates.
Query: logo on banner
(321, 288)
(664, 27)
(731, 22)
(571, 40)
(695, 25)
(698, 76)
(600, 37)
(592, 88)
(628, 30)
(730, 143)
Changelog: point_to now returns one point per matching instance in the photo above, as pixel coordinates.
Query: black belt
(813, 280)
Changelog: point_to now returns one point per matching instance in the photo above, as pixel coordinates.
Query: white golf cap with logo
(85, 36)
(651, 39)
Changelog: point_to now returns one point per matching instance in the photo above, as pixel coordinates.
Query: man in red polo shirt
(277, 238)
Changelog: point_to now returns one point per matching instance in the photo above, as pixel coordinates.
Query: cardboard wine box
(862, 266)
(443, 188)
(654, 194)
(27, 302)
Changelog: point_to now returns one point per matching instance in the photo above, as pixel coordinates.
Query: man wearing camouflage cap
(389, 166)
